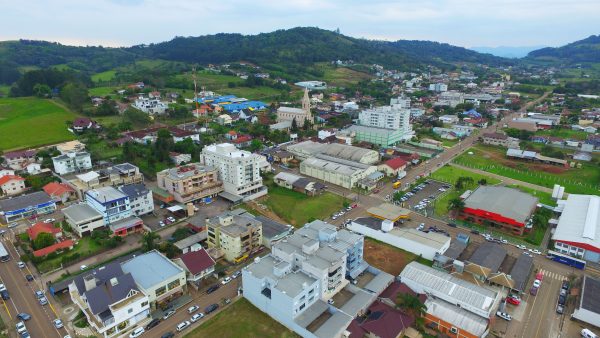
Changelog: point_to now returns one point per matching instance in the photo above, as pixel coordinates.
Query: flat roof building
(190, 182)
(578, 230)
(345, 173)
(16, 208)
(306, 149)
(588, 310)
(83, 219)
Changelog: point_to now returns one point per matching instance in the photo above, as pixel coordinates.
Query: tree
(136, 117)
(255, 145)
(456, 204)
(306, 125)
(413, 305)
(294, 126)
(463, 182)
(482, 181)
(43, 240)
(149, 241)
(75, 95)
(42, 90)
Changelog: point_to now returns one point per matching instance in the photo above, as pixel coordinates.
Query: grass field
(563, 133)
(102, 151)
(584, 180)
(241, 319)
(86, 247)
(29, 122)
(342, 76)
(266, 94)
(4, 90)
(388, 258)
(104, 76)
(297, 208)
(102, 91)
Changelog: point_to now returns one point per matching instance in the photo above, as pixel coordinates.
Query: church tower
(306, 105)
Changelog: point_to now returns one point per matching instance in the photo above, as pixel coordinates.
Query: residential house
(393, 167)
(224, 120)
(140, 198)
(198, 265)
(178, 158)
(41, 227)
(72, 162)
(82, 124)
(118, 174)
(497, 139)
(83, 219)
(60, 192)
(299, 183)
(115, 208)
(11, 185)
(151, 106)
(18, 160)
(448, 119)
(6, 171)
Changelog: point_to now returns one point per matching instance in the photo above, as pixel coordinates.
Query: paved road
(202, 300)
(22, 297)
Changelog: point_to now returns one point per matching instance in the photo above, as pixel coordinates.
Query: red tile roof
(57, 189)
(54, 247)
(7, 178)
(396, 163)
(382, 321)
(242, 139)
(41, 227)
(392, 291)
(197, 261)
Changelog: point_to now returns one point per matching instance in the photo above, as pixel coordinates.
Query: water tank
(458, 266)
(387, 225)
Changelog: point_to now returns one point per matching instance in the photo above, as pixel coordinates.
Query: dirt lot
(386, 257)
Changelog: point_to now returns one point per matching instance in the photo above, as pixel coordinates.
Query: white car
(21, 265)
(537, 283)
(83, 267)
(522, 247)
(504, 315)
(197, 317)
(421, 226)
(58, 323)
(171, 218)
(49, 220)
(236, 274)
(226, 280)
(161, 224)
(137, 332)
(193, 309)
(535, 251)
(2, 287)
(334, 217)
(21, 327)
(182, 326)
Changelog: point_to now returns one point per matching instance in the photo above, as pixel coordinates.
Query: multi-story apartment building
(140, 198)
(235, 234)
(385, 125)
(388, 117)
(110, 202)
(110, 300)
(72, 162)
(119, 174)
(239, 170)
(190, 182)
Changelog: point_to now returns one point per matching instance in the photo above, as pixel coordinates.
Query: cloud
(460, 22)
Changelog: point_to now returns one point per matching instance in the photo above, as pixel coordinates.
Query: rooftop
(456, 316)
(291, 284)
(334, 164)
(520, 271)
(489, 255)
(271, 228)
(580, 221)
(197, 261)
(388, 211)
(151, 268)
(24, 201)
(105, 194)
(81, 213)
(134, 190)
(590, 297)
(508, 202)
(186, 171)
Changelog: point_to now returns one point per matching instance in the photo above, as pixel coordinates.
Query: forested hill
(298, 46)
(586, 50)
(305, 45)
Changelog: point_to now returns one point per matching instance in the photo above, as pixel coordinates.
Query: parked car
(197, 317)
(29, 278)
(565, 285)
(168, 335)
(171, 218)
(226, 280)
(137, 332)
(562, 299)
(504, 315)
(83, 267)
(236, 274)
(58, 323)
(533, 291)
(534, 251)
(560, 309)
(2, 287)
(193, 309)
(168, 314)
(211, 308)
(421, 227)
(522, 247)
(537, 283)
(452, 225)
(330, 301)
(20, 326)
(49, 220)
(5, 295)
(161, 224)
(586, 333)
(212, 288)
(24, 316)
(152, 323)
(25, 335)
(21, 265)
(513, 300)
(475, 232)
(182, 326)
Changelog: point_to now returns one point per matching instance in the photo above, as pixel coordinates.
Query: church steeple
(306, 101)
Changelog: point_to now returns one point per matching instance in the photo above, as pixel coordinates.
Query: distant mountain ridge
(586, 50)
(507, 51)
(296, 46)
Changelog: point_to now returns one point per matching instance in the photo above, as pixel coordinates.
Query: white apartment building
(140, 198)
(438, 87)
(72, 162)
(238, 169)
(150, 106)
(388, 117)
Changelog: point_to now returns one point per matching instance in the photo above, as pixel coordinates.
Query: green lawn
(564, 133)
(104, 76)
(102, 151)
(30, 122)
(544, 197)
(297, 208)
(584, 180)
(241, 319)
(86, 247)
(103, 91)
(267, 94)
(342, 76)
(4, 90)
(451, 174)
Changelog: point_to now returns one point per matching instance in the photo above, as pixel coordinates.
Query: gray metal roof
(456, 316)
(590, 297)
(271, 228)
(507, 202)
(359, 302)
(24, 201)
(520, 271)
(381, 281)
(151, 269)
(292, 283)
(489, 255)
(80, 213)
(134, 190)
(191, 240)
(334, 326)
(110, 292)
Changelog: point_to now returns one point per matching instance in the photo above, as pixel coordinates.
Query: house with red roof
(381, 321)
(42, 227)
(60, 246)
(60, 192)
(11, 185)
(393, 166)
(197, 264)
(82, 124)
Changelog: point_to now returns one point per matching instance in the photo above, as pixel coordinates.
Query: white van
(137, 332)
(588, 334)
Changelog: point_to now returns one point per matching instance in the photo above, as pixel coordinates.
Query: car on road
(522, 247)
(513, 300)
(504, 315)
(168, 335)
(152, 323)
(226, 280)
(565, 285)
(13, 225)
(421, 227)
(2, 287)
(168, 314)
(183, 325)
(562, 299)
(236, 274)
(25, 335)
(586, 333)
(5, 295)
(21, 265)
(528, 254)
(193, 309)
(211, 308)
(197, 317)
(137, 332)
(24, 316)
(537, 283)
(57, 323)
(475, 232)
(212, 288)
(452, 225)
(171, 218)
(560, 309)
(533, 291)
(534, 251)
(49, 220)
(29, 278)
(83, 267)
(20, 326)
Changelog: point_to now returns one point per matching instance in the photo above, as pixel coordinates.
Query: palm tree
(149, 241)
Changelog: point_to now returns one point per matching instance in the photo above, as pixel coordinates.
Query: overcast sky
(465, 23)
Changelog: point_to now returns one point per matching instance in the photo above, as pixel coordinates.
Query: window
(144, 304)
(174, 284)
(160, 291)
(302, 306)
(129, 310)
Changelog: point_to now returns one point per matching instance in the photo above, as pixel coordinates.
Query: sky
(464, 23)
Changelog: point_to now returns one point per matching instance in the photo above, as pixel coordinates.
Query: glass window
(174, 284)
(160, 291)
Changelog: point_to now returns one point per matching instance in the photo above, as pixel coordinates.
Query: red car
(513, 300)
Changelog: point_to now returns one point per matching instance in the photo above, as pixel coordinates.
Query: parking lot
(161, 214)
(422, 196)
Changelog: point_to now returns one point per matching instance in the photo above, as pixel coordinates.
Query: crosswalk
(553, 275)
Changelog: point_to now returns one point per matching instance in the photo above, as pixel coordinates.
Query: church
(288, 114)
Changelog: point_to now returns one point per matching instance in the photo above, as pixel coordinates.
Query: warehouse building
(307, 149)
(501, 207)
(588, 310)
(34, 204)
(578, 231)
(337, 171)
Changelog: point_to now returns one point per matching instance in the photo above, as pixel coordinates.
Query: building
(380, 136)
(306, 149)
(239, 170)
(578, 230)
(500, 207)
(393, 167)
(236, 233)
(41, 227)
(140, 198)
(110, 300)
(299, 183)
(83, 219)
(60, 192)
(420, 243)
(588, 309)
(497, 139)
(179, 159)
(535, 157)
(56, 247)
(441, 285)
(454, 321)
(438, 87)
(374, 122)
(528, 125)
(336, 171)
(11, 185)
(272, 231)
(312, 85)
(299, 114)
(24, 206)
(82, 124)
(18, 160)
(110, 202)
(72, 162)
(382, 320)
(197, 265)
(150, 135)
(486, 260)
(191, 182)
(150, 106)
(157, 277)
(449, 119)
(119, 174)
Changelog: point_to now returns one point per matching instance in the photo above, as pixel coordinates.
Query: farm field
(103, 91)
(584, 180)
(35, 121)
(241, 319)
(342, 76)
(104, 76)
